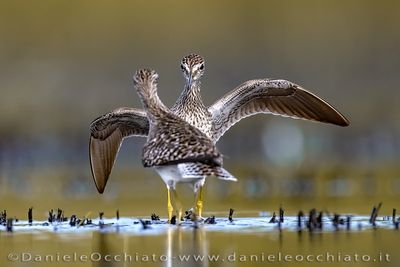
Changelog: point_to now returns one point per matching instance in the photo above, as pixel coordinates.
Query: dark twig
(394, 216)
(50, 219)
(30, 215)
(348, 222)
(145, 224)
(210, 220)
(319, 220)
(312, 220)
(72, 220)
(231, 214)
(336, 221)
(60, 215)
(155, 217)
(273, 219)
(300, 216)
(9, 226)
(281, 212)
(374, 214)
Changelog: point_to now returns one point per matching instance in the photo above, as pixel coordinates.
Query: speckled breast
(201, 119)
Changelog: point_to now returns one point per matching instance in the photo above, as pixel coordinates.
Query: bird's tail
(223, 174)
(199, 170)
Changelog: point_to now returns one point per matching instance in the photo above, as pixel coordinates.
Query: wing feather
(278, 97)
(106, 135)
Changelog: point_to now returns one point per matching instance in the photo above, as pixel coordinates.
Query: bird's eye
(201, 66)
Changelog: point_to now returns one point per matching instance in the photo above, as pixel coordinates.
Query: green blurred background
(63, 63)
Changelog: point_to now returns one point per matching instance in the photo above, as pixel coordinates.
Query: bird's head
(192, 67)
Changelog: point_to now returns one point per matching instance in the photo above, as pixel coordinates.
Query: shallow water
(249, 241)
(245, 241)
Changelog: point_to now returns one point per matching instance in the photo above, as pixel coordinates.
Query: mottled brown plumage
(278, 97)
(172, 140)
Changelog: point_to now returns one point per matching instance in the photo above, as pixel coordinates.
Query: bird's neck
(154, 107)
(190, 98)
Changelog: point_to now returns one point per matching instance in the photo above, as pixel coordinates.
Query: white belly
(171, 176)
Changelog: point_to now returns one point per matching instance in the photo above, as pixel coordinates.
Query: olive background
(63, 63)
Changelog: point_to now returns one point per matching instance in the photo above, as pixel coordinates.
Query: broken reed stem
(144, 224)
(173, 220)
(273, 219)
(374, 214)
(30, 215)
(300, 215)
(60, 215)
(9, 226)
(371, 218)
(154, 217)
(210, 220)
(231, 214)
(50, 219)
(348, 222)
(336, 221)
(72, 221)
(394, 216)
(312, 220)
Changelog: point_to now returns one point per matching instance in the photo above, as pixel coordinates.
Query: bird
(258, 96)
(178, 151)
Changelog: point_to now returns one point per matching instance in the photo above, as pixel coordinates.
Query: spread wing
(278, 97)
(106, 135)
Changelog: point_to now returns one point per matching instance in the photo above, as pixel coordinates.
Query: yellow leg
(169, 205)
(199, 201)
(178, 205)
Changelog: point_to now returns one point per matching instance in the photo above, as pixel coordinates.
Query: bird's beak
(190, 79)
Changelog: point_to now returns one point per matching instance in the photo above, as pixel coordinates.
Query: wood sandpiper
(268, 96)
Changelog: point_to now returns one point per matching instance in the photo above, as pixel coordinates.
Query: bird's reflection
(101, 247)
(182, 247)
